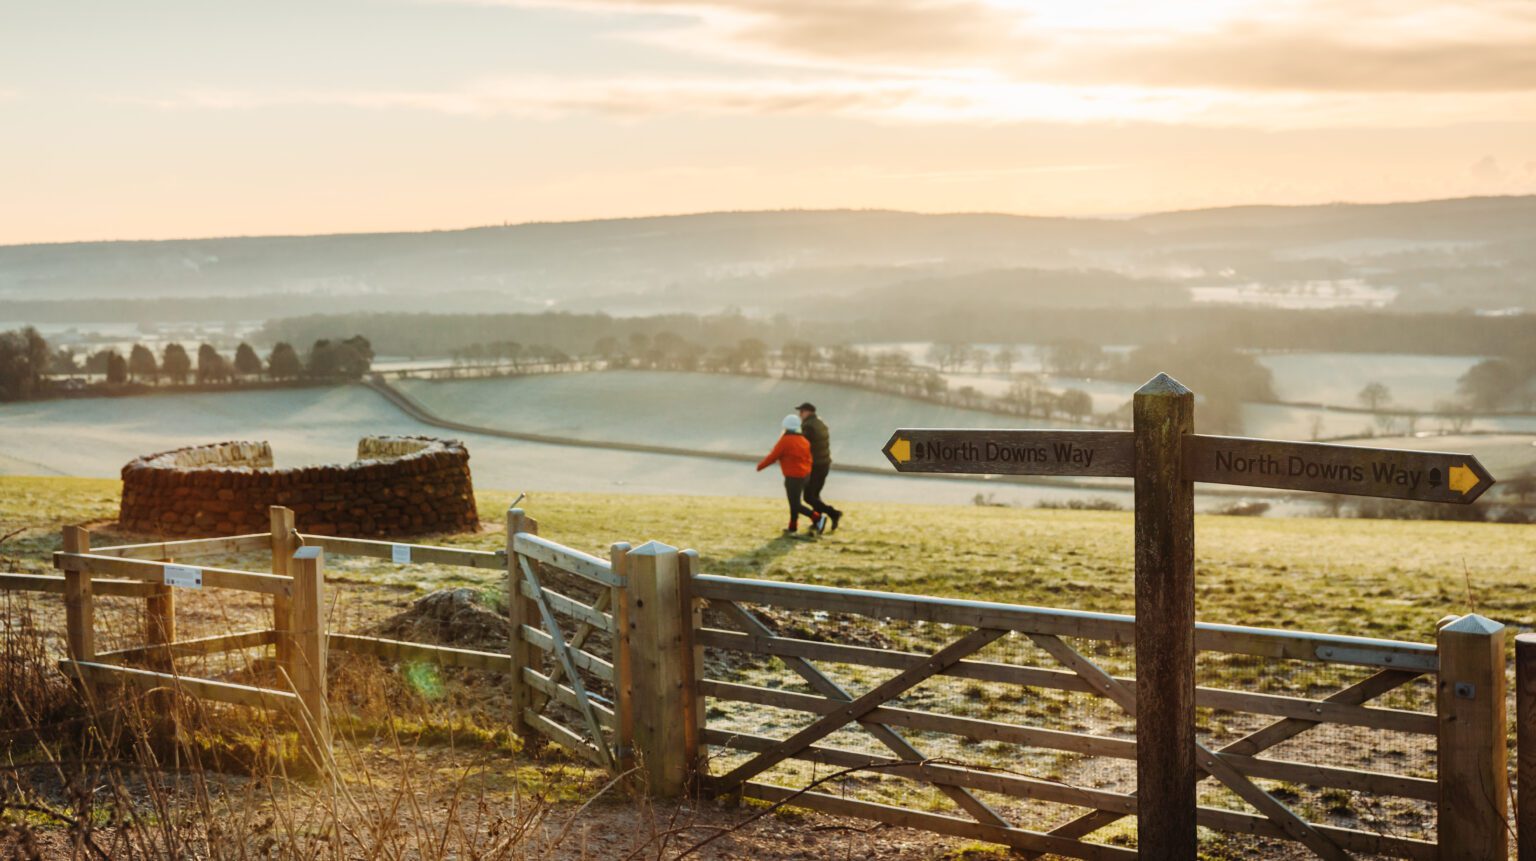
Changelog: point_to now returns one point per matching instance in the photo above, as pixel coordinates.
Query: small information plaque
(400, 553)
(184, 576)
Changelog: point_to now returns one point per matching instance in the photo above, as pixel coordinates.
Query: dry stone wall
(397, 486)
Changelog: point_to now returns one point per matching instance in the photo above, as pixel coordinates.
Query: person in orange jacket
(793, 455)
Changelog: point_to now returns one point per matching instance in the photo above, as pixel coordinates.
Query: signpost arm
(1166, 772)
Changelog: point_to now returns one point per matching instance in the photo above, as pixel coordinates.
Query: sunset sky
(155, 119)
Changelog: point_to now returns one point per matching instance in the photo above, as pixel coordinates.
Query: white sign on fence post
(184, 576)
(400, 553)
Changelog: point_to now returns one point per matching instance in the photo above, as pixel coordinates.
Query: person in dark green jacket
(820, 438)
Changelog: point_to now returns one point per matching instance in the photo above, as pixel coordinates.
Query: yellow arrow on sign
(1462, 479)
(901, 451)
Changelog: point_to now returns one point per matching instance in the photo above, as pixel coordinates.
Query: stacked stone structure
(399, 485)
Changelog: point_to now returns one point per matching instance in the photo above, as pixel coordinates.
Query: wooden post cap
(311, 551)
(1163, 386)
(1472, 623)
(653, 548)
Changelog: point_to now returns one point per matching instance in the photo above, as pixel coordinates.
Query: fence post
(1525, 747)
(1163, 413)
(692, 614)
(160, 627)
(520, 611)
(307, 623)
(79, 608)
(658, 678)
(283, 545)
(1474, 781)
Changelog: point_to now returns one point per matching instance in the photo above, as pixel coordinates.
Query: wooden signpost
(1425, 476)
(1166, 457)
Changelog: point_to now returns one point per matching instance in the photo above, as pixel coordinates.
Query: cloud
(1303, 62)
(1273, 64)
(978, 100)
(1280, 45)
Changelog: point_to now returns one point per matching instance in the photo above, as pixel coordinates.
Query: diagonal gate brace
(856, 709)
(1294, 826)
(893, 740)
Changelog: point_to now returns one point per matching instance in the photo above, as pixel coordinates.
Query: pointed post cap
(653, 548)
(1162, 386)
(1472, 623)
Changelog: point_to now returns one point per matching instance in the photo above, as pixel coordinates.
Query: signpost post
(1166, 457)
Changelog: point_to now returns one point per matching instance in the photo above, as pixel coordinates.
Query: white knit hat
(792, 422)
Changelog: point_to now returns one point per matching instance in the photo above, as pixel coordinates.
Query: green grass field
(1360, 577)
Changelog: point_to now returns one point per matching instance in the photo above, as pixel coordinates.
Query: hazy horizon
(1110, 217)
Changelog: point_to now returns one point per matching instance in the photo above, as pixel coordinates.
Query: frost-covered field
(96, 436)
(712, 412)
(1336, 379)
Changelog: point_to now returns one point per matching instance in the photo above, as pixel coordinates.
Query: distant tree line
(961, 321)
(30, 368)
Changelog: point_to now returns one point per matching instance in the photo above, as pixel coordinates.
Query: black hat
(807, 406)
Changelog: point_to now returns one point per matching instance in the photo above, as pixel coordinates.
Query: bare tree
(1374, 396)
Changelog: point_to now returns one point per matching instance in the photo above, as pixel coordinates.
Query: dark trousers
(793, 487)
(813, 485)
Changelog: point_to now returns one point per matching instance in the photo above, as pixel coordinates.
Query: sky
(159, 119)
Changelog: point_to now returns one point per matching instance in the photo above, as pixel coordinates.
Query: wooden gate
(1021, 721)
(563, 687)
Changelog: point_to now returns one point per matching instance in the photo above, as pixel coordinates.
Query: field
(1373, 578)
(94, 437)
(713, 412)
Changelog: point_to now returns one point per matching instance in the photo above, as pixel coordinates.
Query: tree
(283, 362)
(96, 363)
(176, 363)
(1489, 383)
(798, 357)
(1023, 394)
(607, 349)
(979, 357)
(349, 359)
(1076, 403)
(141, 364)
(1072, 357)
(1374, 396)
(751, 355)
(117, 368)
(247, 363)
(211, 366)
(512, 352)
(24, 357)
(1455, 416)
(947, 355)
(1005, 359)
(322, 358)
(63, 361)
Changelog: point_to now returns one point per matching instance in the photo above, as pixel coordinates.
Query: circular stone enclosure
(398, 485)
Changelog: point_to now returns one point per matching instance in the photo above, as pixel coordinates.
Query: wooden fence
(996, 722)
(1470, 738)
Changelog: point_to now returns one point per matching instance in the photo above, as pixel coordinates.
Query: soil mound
(450, 617)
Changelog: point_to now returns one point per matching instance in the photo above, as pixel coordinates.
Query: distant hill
(1473, 253)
